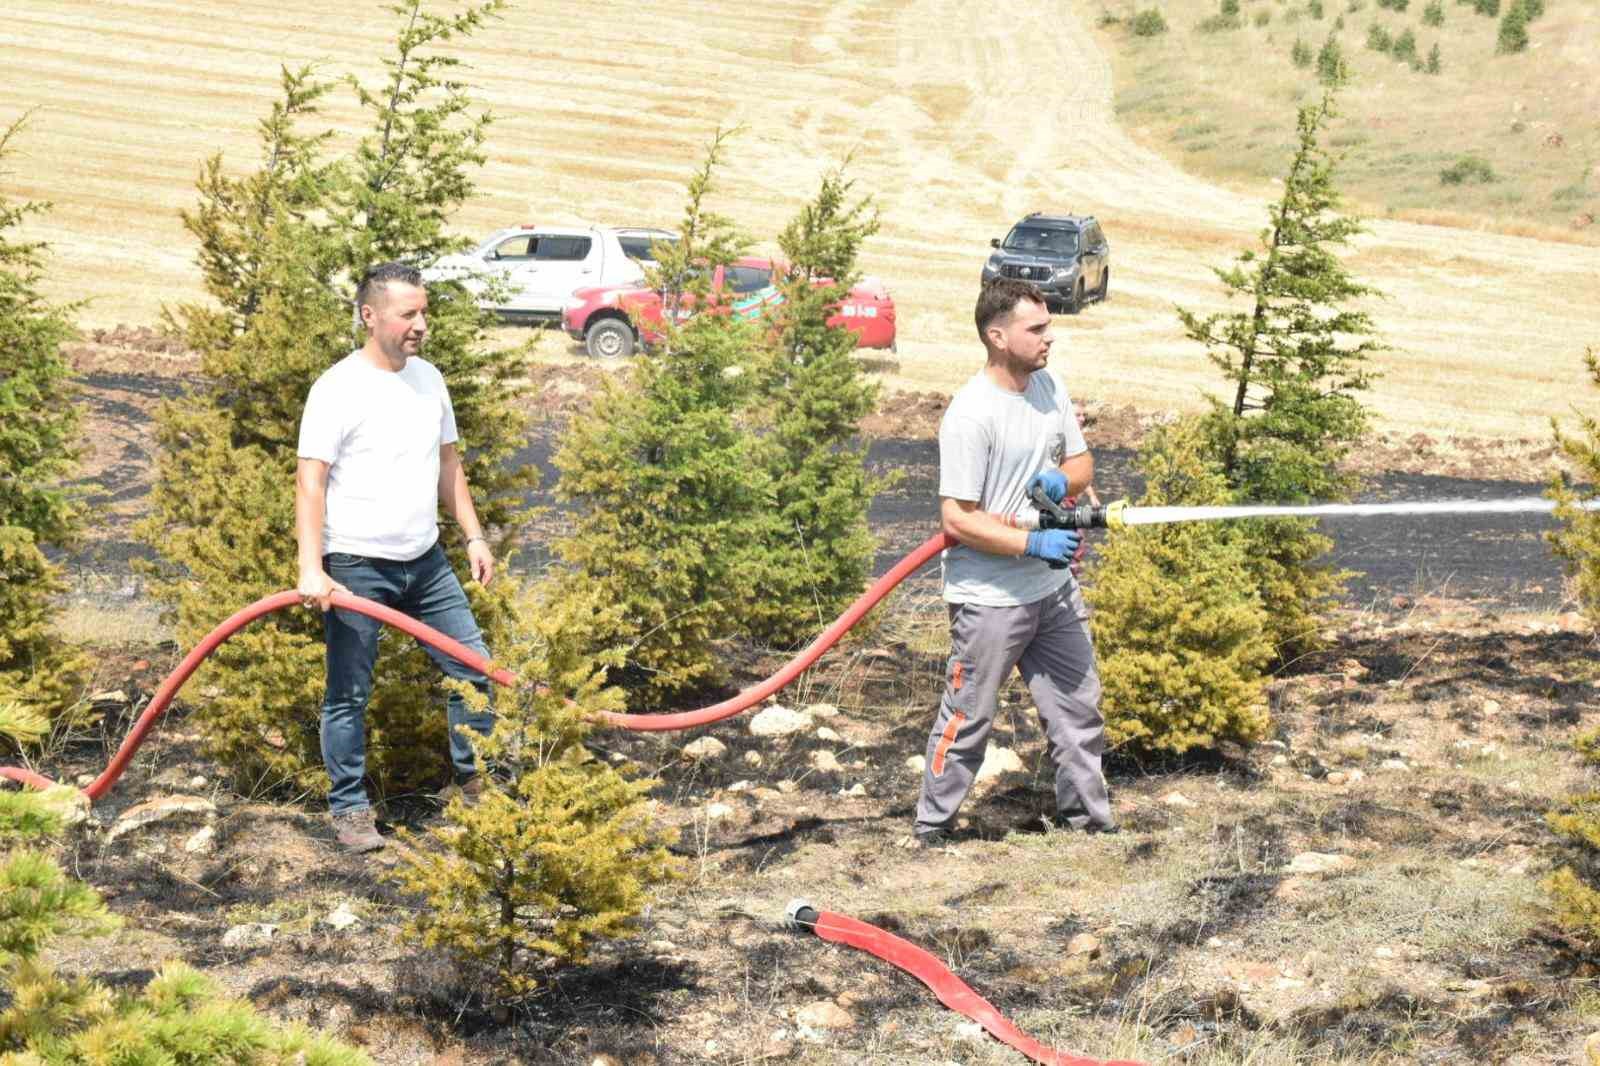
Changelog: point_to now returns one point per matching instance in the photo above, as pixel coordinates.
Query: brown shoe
(357, 831)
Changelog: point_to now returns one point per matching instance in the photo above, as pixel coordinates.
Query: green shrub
(1378, 38)
(1149, 23)
(1332, 70)
(1301, 54)
(51, 1019)
(1405, 47)
(1468, 170)
(560, 851)
(1573, 890)
(1513, 34)
(1577, 541)
(1315, 9)
(1262, 17)
(279, 250)
(1180, 633)
(1533, 8)
(1434, 64)
(38, 452)
(1433, 14)
(1487, 8)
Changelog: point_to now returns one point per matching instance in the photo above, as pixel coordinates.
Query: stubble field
(958, 120)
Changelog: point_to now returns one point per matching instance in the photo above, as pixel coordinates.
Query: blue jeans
(426, 589)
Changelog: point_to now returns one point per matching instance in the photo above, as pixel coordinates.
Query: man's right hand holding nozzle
(1054, 546)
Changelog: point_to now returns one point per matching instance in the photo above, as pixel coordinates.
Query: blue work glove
(1054, 483)
(1054, 546)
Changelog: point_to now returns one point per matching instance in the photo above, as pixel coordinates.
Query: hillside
(1212, 100)
(958, 123)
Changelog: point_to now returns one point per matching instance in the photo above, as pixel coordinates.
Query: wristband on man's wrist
(479, 536)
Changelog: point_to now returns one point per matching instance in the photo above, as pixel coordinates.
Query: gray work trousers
(1049, 641)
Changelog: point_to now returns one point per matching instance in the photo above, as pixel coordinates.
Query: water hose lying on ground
(951, 990)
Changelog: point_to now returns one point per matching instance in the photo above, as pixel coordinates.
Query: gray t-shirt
(991, 443)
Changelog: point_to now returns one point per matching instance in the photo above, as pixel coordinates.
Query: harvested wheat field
(958, 121)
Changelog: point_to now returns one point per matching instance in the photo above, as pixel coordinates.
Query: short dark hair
(380, 276)
(999, 297)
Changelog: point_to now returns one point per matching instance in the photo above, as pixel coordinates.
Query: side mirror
(994, 242)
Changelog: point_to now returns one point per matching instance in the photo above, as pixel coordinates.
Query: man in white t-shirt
(1012, 600)
(378, 456)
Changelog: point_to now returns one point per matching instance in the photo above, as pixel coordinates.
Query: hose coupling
(800, 915)
(1085, 515)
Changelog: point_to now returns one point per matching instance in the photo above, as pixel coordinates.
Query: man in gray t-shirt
(1011, 598)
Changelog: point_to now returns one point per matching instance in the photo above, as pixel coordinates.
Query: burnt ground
(1499, 561)
(1421, 751)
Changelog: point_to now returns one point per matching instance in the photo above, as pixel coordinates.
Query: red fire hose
(951, 990)
(428, 635)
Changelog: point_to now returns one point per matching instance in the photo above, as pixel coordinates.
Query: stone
(825, 762)
(341, 918)
(1177, 799)
(249, 935)
(662, 947)
(779, 721)
(821, 710)
(705, 748)
(1338, 777)
(1591, 1049)
(999, 761)
(824, 1014)
(1394, 764)
(1084, 944)
(753, 758)
(115, 695)
(741, 786)
(162, 809)
(1280, 760)
(1491, 707)
(202, 841)
(788, 786)
(855, 791)
(1318, 862)
(916, 764)
(197, 782)
(84, 780)
(718, 811)
(971, 1031)
(828, 736)
(605, 1060)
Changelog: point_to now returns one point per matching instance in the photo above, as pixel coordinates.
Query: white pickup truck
(538, 267)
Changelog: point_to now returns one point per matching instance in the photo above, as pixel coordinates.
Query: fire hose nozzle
(800, 915)
(1080, 515)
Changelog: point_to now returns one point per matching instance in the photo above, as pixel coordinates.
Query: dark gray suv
(1067, 256)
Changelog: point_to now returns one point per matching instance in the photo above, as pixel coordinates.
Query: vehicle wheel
(1105, 286)
(1075, 304)
(610, 338)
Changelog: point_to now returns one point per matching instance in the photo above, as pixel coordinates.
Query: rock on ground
(161, 809)
(777, 721)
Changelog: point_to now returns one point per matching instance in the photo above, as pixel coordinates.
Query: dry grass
(958, 122)
(1215, 102)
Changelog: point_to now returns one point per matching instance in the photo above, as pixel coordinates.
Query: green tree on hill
(38, 450)
(1513, 34)
(810, 395)
(1332, 69)
(279, 250)
(669, 486)
(1296, 356)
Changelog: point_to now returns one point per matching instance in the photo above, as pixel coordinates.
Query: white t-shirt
(991, 443)
(379, 431)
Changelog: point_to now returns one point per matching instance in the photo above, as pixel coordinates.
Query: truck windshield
(1041, 239)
